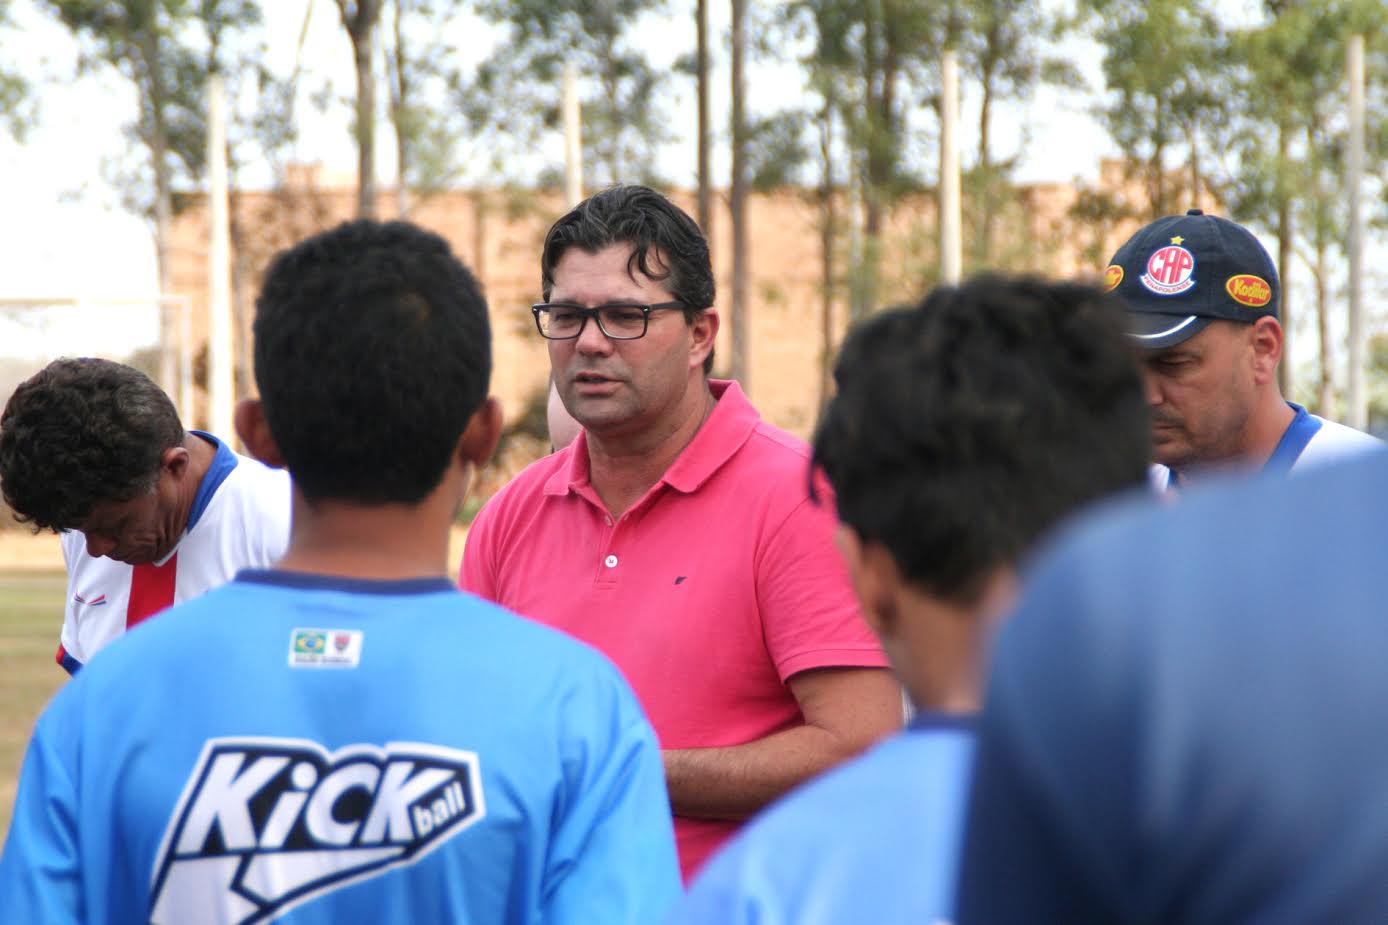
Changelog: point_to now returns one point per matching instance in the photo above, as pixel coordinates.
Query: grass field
(31, 614)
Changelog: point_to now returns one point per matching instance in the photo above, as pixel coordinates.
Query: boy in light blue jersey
(348, 738)
(962, 429)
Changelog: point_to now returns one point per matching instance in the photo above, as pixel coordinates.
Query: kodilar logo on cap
(1250, 290)
(1112, 277)
(1170, 269)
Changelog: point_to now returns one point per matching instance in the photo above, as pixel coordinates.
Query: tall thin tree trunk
(1159, 207)
(988, 200)
(479, 234)
(360, 20)
(874, 81)
(1195, 178)
(701, 73)
(170, 342)
(399, 114)
(828, 230)
(366, 127)
(243, 367)
(1284, 257)
(1325, 394)
(740, 327)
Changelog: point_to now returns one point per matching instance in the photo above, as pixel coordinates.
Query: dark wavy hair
(82, 432)
(667, 245)
(965, 427)
(372, 351)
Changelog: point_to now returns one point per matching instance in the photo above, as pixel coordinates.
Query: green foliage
(1166, 68)
(166, 49)
(1291, 71)
(514, 98)
(778, 151)
(1005, 50)
(16, 105)
(431, 132)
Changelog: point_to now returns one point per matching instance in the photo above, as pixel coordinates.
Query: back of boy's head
(372, 352)
(966, 426)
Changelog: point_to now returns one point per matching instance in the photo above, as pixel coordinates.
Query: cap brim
(1152, 331)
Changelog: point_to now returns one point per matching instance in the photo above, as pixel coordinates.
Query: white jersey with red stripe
(239, 519)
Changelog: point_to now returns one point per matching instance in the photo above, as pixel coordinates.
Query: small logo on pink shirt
(679, 580)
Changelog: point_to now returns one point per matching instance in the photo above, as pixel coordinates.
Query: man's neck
(942, 650)
(201, 452)
(1261, 434)
(623, 468)
(1267, 427)
(375, 541)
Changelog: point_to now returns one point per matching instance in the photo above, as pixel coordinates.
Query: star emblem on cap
(1177, 240)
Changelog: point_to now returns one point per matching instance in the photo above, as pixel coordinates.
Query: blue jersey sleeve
(40, 872)
(612, 857)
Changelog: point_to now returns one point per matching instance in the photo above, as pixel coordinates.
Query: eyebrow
(1175, 353)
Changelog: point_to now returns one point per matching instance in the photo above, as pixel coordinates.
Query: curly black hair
(667, 245)
(965, 427)
(82, 432)
(372, 351)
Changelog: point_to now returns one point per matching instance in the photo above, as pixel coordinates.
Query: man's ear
(876, 578)
(703, 332)
(175, 460)
(1267, 342)
(483, 430)
(254, 432)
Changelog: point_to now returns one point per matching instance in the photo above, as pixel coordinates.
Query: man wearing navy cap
(1202, 298)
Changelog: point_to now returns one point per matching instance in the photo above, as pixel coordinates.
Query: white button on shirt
(610, 562)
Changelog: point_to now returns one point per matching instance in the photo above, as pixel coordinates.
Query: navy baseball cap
(1182, 272)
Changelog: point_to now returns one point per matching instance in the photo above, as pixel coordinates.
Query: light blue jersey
(875, 840)
(319, 750)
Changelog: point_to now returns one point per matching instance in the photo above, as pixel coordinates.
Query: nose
(591, 341)
(98, 546)
(1152, 387)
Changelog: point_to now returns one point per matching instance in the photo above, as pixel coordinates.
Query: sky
(76, 241)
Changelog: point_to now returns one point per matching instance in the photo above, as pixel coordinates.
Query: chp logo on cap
(265, 824)
(1170, 269)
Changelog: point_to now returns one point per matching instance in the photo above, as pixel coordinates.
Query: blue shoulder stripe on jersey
(304, 580)
(70, 664)
(222, 464)
(1298, 434)
(927, 721)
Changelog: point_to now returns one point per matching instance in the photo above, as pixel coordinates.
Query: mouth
(588, 382)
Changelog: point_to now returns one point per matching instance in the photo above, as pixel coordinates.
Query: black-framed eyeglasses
(617, 320)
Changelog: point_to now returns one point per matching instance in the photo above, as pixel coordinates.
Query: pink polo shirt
(716, 587)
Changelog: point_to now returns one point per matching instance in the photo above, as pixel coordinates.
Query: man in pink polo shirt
(677, 533)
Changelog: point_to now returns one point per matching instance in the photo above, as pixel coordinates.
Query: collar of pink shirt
(723, 434)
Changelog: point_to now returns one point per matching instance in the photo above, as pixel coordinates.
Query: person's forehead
(613, 268)
(1216, 336)
(107, 514)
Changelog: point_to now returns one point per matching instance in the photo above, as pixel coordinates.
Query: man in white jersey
(1202, 296)
(150, 514)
